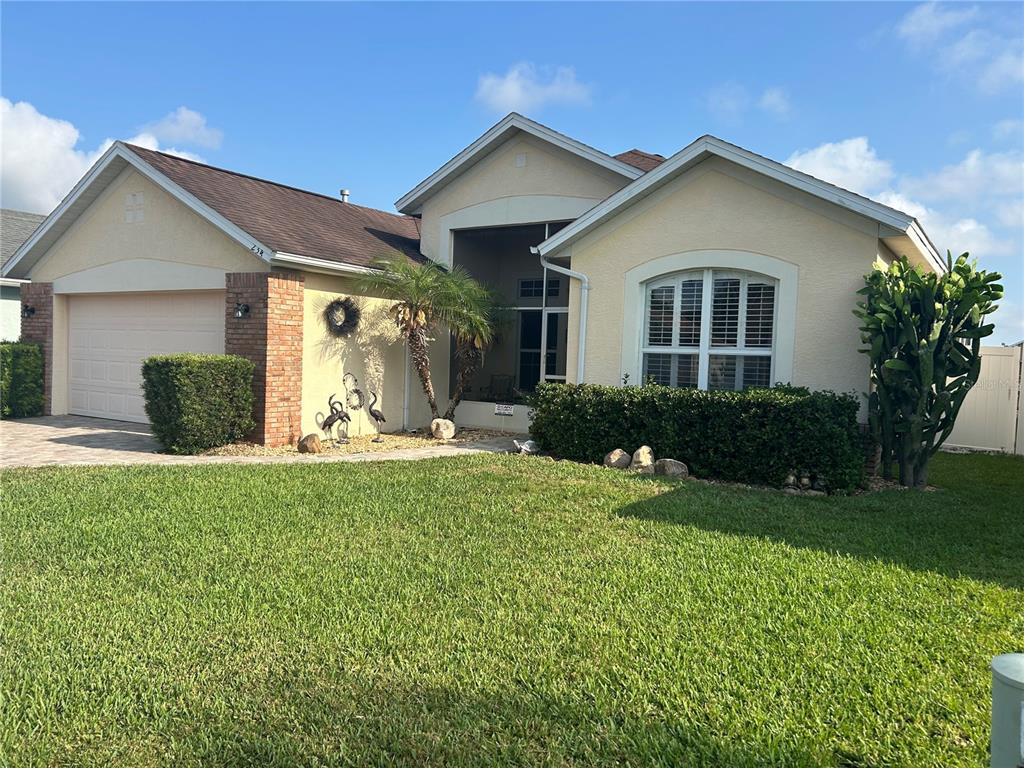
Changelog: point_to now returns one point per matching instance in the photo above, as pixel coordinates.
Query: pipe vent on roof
(344, 195)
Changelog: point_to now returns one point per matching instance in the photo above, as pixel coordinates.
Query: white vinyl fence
(991, 416)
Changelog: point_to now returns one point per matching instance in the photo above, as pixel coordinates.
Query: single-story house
(713, 268)
(15, 228)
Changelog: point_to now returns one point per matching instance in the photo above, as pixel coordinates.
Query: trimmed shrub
(757, 436)
(21, 380)
(197, 402)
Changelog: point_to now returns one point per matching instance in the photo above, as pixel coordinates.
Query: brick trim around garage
(38, 329)
(271, 337)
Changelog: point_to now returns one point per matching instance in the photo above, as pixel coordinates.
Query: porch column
(270, 335)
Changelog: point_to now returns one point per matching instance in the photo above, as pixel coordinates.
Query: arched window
(710, 329)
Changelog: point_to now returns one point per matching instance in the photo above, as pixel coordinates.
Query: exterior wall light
(241, 310)
(27, 311)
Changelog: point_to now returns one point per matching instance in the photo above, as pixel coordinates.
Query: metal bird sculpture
(377, 416)
(336, 416)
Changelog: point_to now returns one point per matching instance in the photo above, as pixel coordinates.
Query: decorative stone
(670, 468)
(617, 459)
(310, 444)
(442, 429)
(813, 492)
(805, 482)
(791, 490)
(790, 481)
(526, 447)
(643, 460)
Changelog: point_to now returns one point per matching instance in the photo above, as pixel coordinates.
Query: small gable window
(710, 329)
(133, 207)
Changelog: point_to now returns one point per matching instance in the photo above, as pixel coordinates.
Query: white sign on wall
(504, 409)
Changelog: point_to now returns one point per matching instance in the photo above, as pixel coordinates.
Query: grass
(499, 610)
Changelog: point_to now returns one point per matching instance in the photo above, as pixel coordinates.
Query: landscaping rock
(617, 459)
(310, 444)
(442, 429)
(526, 447)
(643, 460)
(813, 492)
(670, 468)
(805, 482)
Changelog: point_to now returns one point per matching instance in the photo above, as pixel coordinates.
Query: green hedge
(21, 379)
(757, 436)
(196, 402)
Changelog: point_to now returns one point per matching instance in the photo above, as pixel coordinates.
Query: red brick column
(38, 328)
(271, 336)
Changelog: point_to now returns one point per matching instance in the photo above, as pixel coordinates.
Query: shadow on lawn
(976, 533)
(382, 725)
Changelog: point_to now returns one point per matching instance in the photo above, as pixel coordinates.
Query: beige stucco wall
(169, 232)
(549, 171)
(719, 206)
(374, 354)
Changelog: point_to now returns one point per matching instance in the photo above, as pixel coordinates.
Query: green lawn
(500, 610)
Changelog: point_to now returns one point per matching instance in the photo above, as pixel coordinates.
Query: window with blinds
(710, 329)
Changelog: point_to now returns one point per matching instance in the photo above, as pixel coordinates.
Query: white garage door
(109, 335)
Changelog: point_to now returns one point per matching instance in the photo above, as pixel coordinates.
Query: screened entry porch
(532, 335)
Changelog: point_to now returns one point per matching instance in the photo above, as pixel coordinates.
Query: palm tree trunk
(420, 354)
(469, 358)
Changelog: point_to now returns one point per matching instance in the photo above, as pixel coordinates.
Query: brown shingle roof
(645, 161)
(292, 220)
(15, 228)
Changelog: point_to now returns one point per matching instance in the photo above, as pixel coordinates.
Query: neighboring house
(15, 228)
(714, 268)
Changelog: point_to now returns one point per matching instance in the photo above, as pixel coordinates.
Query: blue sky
(918, 105)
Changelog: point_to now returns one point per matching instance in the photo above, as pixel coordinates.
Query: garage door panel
(110, 335)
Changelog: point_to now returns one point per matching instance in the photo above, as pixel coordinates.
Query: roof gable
(275, 222)
(496, 135)
(891, 221)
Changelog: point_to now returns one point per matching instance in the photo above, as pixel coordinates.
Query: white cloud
(926, 23)
(964, 41)
(948, 233)
(851, 164)
(1005, 71)
(185, 126)
(40, 160)
(775, 101)
(728, 101)
(987, 185)
(1011, 214)
(1008, 130)
(978, 175)
(524, 88)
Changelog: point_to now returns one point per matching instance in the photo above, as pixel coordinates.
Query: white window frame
(667, 268)
(705, 349)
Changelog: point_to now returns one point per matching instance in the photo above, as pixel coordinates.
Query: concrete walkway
(83, 441)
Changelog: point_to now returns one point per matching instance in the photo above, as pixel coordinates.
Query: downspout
(405, 390)
(584, 292)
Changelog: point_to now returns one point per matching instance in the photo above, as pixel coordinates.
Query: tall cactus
(923, 335)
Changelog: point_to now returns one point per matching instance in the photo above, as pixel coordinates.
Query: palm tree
(427, 297)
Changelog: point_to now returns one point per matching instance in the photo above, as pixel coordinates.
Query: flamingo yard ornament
(336, 416)
(377, 415)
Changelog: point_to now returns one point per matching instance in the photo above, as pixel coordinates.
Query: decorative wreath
(353, 395)
(341, 317)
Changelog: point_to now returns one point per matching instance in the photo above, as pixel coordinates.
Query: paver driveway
(68, 440)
